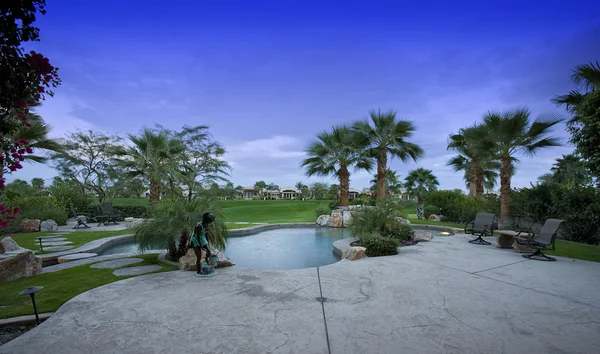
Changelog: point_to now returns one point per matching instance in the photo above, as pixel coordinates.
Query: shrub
(406, 203)
(66, 193)
(460, 208)
(379, 246)
(322, 211)
(126, 210)
(382, 219)
(42, 208)
(431, 209)
(401, 232)
(334, 204)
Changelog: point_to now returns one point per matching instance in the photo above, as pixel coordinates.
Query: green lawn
(79, 238)
(271, 211)
(60, 287)
(427, 222)
(576, 250)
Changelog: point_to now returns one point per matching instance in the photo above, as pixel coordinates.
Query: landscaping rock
(346, 218)
(354, 253)
(188, 261)
(337, 218)
(403, 220)
(422, 236)
(30, 225)
(74, 256)
(48, 225)
(136, 270)
(9, 245)
(133, 222)
(324, 220)
(116, 263)
(21, 265)
(434, 217)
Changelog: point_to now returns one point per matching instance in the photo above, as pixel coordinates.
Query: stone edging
(161, 258)
(23, 320)
(252, 230)
(340, 246)
(95, 246)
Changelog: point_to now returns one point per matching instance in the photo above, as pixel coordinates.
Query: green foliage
(431, 209)
(401, 232)
(585, 131)
(322, 211)
(379, 246)
(419, 182)
(42, 208)
(172, 218)
(126, 210)
(381, 219)
(334, 204)
(67, 192)
(579, 206)
(460, 208)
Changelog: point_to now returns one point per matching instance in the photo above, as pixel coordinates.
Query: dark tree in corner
(26, 80)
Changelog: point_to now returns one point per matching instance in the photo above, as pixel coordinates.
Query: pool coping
(95, 246)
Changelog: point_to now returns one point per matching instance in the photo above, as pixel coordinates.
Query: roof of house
(285, 189)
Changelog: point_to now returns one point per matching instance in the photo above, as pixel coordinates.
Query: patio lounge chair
(483, 225)
(108, 214)
(542, 240)
(79, 218)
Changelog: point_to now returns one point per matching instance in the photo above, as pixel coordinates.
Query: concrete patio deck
(446, 296)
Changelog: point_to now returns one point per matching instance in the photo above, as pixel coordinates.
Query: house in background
(249, 193)
(289, 193)
(353, 193)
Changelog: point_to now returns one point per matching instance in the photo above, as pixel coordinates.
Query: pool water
(286, 248)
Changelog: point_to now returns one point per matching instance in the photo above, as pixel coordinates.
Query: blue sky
(268, 75)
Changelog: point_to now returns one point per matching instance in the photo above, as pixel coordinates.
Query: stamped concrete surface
(53, 239)
(136, 270)
(116, 263)
(444, 296)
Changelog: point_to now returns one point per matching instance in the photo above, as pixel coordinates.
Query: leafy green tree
(334, 192)
(20, 188)
(38, 184)
(418, 183)
(154, 155)
(479, 166)
(318, 190)
(514, 133)
(68, 191)
(334, 153)
(585, 107)
(305, 192)
(387, 136)
(88, 158)
(299, 186)
(260, 187)
(570, 170)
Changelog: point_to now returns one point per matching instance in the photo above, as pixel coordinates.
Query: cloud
(278, 146)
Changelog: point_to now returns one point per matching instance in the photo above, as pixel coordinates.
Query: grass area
(576, 250)
(60, 287)
(79, 238)
(427, 222)
(271, 211)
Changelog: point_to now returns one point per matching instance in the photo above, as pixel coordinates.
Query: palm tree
(514, 133)
(586, 75)
(334, 153)
(478, 166)
(570, 169)
(393, 185)
(174, 219)
(299, 186)
(387, 136)
(152, 155)
(260, 187)
(417, 183)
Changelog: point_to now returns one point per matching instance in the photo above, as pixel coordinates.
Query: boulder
(346, 218)
(354, 253)
(9, 245)
(30, 225)
(188, 261)
(132, 223)
(323, 220)
(337, 218)
(422, 236)
(21, 265)
(434, 217)
(48, 225)
(403, 220)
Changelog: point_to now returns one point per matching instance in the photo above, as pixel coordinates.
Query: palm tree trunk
(381, 173)
(420, 208)
(473, 177)
(479, 192)
(505, 176)
(154, 191)
(344, 185)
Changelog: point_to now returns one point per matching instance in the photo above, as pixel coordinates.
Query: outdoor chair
(483, 225)
(79, 218)
(108, 214)
(542, 240)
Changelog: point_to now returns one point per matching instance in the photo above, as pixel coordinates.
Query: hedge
(42, 208)
(126, 210)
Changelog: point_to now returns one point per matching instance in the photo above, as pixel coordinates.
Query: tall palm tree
(514, 133)
(387, 136)
(152, 155)
(478, 166)
(417, 183)
(334, 153)
(299, 186)
(392, 183)
(585, 75)
(570, 169)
